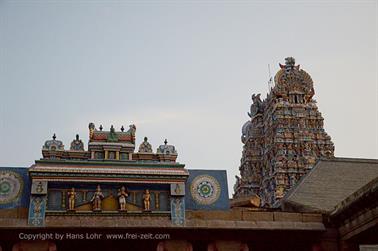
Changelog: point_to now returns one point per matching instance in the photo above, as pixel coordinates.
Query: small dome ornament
(145, 147)
(166, 149)
(77, 144)
(53, 145)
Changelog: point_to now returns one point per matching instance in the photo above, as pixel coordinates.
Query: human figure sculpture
(145, 147)
(97, 199)
(77, 144)
(257, 105)
(122, 196)
(112, 136)
(71, 199)
(147, 200)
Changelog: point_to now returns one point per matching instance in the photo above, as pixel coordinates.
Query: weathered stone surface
(307, 217)
(283, 216)
(14, 213)
(257, 216)
(235, 219)
(210, 215)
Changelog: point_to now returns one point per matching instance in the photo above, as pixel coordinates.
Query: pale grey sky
(181, 70)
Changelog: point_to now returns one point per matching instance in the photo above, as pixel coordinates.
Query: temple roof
(329, 183)
(368, 191)
(112, 135)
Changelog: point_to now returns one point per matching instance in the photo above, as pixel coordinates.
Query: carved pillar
(157, 200)
(244, 247)
(106, 154)
(134, 197)
(316, 247)
(178, 203)
(63, 201)
(117, 155)
(160, 246)
(38, 203)
(212, 247)
(227, 246)
(52, 246)
(174, 245)
(85, 195)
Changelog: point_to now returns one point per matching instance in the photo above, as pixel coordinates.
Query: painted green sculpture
(112, 136)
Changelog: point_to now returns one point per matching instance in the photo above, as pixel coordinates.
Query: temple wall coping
(232, 219)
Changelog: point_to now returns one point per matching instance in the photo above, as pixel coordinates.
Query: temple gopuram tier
(283, 138)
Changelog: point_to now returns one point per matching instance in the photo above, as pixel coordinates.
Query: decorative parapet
(110, 146)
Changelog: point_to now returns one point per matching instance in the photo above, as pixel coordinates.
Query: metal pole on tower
(270, 82)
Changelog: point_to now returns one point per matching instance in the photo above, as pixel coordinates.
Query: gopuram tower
(283, 138)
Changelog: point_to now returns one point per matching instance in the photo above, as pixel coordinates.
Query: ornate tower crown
(283, 138)
(293, 84)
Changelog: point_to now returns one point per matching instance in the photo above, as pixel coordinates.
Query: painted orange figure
(147, 200)
(71, 199)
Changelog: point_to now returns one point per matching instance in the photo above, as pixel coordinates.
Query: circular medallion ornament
(205, 189)
(10, 186)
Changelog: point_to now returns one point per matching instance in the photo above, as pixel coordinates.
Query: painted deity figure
(71, 199)
(97, 199)
(147, 200)
(37, 205)
(122, 196)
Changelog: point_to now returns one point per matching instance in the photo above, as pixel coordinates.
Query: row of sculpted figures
(98, 196)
